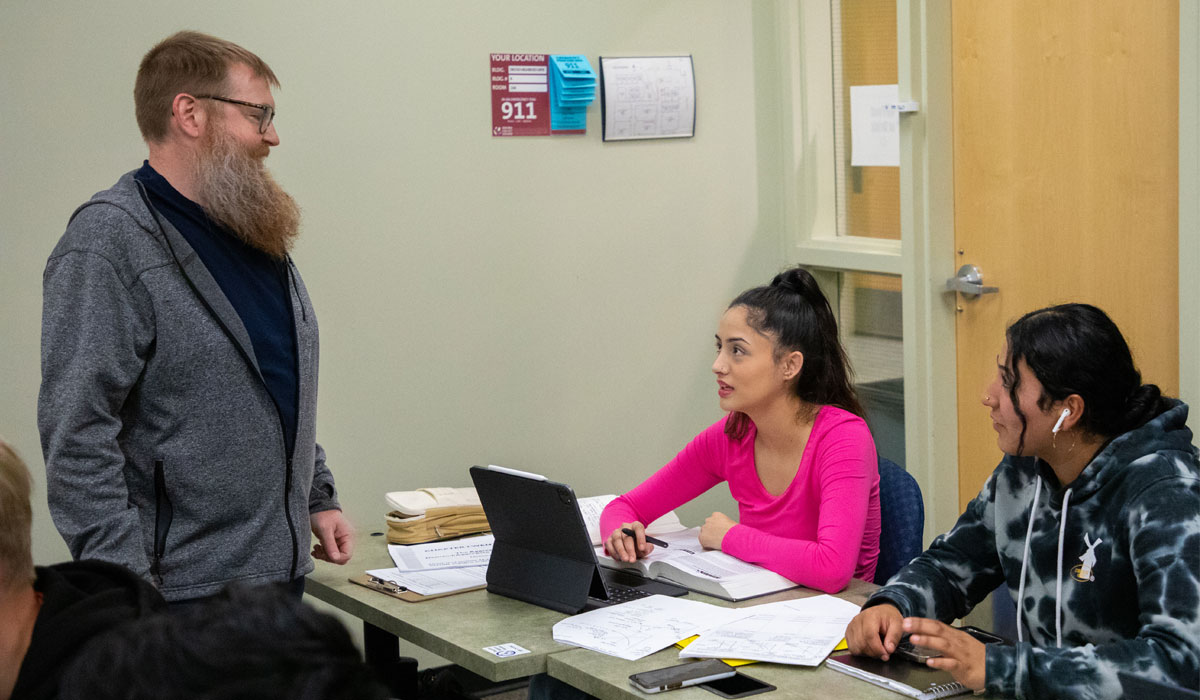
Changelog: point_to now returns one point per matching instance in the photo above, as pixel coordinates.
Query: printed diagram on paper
(769, 638)
(801, 632)
(648, 97)
(640, 627)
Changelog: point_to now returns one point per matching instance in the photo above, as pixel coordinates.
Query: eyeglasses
(266, 113)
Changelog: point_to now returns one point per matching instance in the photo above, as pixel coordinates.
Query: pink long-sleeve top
(821, 531)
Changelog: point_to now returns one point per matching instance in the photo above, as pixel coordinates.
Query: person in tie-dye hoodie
(1092, 519)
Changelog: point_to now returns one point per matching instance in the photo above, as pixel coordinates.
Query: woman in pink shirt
(797, 455)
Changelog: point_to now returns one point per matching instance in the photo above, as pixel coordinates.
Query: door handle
(969, 282)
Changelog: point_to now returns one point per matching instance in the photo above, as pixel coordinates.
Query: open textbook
(686, 563)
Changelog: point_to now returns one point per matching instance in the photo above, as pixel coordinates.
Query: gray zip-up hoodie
(1106, 572)
(164, 451)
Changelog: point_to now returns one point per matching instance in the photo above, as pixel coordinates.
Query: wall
(541, 303)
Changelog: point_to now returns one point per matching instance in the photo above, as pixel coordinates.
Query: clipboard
(396, 591)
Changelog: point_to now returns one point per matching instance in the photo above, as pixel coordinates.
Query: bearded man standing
(179, 348)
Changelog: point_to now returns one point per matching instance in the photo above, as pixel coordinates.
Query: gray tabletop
(455, 627)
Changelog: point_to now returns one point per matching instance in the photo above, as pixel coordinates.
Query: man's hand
(335, 536)
(712, 532)
(962, 655)
(875, 631)
(622, 547)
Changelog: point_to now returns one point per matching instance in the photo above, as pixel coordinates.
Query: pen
(652, 540)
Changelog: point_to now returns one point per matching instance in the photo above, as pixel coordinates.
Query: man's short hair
(190, 62)
(16, 520)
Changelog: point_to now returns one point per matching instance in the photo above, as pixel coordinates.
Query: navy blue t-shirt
(255, 283)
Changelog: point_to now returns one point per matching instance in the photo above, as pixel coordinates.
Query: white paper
(874, 130)
(640, 627)
(593, 506)
(648, 97)
(435, 581)
(503, 651)
(800, 632)
(455, 554)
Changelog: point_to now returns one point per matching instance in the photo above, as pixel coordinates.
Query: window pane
(871, 327)
(864, 53)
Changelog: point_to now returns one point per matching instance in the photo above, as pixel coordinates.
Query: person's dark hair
(794, 313)
(248, 642)
(1077, 349)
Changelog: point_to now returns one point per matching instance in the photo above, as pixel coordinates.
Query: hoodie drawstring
(1037, 493)
(1062, 529)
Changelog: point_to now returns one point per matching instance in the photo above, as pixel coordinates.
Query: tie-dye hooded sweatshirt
(1107, 575)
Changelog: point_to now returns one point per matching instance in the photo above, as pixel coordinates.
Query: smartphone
(681, 676)
(983, 635)
(912, 652)
(737, 686)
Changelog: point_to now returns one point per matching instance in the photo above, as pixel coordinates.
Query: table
(458, 627)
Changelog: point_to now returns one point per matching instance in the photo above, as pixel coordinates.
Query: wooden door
(1065, 181)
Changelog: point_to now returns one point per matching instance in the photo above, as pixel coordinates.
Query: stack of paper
(572, 89)
(439, 567)
(452, 554)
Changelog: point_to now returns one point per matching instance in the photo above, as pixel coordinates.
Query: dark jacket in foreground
(164, 450)
(1130, 567)
(80, 600)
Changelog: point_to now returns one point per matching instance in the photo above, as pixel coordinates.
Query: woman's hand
(962, 655)
(875, 631)
(622, 547)
(712, 532)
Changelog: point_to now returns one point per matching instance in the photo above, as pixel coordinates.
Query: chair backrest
(902, 519)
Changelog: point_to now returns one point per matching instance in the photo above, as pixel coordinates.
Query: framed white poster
(647, 97)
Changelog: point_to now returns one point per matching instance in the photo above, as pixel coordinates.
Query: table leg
(382, 649)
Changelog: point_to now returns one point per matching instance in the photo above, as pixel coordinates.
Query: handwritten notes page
(641, 627)
(455, 554)
(800, 632)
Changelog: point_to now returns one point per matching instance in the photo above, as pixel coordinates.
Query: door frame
(1189, 204)
(924, 257)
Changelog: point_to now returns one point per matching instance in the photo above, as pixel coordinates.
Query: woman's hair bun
(797, 280)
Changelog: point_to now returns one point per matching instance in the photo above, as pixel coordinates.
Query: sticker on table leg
(504, 651)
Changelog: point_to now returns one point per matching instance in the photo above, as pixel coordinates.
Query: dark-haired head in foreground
(249, 642)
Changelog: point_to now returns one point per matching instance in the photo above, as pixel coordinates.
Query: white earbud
(1062, 417)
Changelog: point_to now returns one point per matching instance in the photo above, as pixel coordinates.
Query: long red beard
(236, 189)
